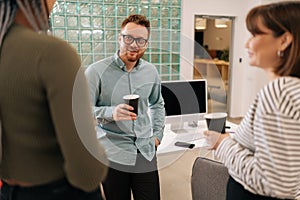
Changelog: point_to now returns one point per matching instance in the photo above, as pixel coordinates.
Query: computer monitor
(185, 102)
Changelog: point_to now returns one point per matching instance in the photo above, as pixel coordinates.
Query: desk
(205, 68)
(175, 163)
(193, 135)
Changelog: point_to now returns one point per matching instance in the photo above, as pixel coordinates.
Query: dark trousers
(58, 190)
(142, 179)
(236, 191)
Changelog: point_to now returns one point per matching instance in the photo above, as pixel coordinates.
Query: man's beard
(136, 58)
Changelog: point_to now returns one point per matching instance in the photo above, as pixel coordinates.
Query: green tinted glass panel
(92, 28)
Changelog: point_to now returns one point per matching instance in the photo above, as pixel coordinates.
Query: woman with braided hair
(48, 149)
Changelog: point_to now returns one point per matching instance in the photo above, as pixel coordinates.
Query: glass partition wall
(92, 28)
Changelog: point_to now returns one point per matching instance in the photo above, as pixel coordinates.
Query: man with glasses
(130, 139)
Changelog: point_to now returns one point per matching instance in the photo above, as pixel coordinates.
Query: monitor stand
(185, 123)
(186, 127)
(188, 132)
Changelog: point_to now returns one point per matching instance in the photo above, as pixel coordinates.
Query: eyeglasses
(141, 42)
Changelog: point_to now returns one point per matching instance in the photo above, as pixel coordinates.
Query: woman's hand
(214, 138)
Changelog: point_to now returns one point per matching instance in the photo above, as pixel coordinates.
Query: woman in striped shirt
(263, 157)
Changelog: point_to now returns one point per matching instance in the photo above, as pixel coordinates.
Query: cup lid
(131, 96)
(215, 115)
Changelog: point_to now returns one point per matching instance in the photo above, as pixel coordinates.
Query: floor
(175, 179)
(175, 169)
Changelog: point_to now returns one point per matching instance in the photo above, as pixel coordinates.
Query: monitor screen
(185, 97)
(185, 102)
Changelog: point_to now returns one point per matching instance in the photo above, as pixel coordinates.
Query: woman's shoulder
(283, 85)
(57, 45)
(283, 93)
(31, 41)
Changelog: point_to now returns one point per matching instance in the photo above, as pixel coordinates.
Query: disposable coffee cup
(132, 100)
(216, 121)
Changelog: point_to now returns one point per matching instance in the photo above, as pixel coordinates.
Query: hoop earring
(280, 54)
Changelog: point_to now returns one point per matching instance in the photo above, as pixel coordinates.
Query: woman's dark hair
(36, 12)
(137, 19)
(280, 17)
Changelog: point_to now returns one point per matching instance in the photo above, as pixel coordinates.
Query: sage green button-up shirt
(109, 81)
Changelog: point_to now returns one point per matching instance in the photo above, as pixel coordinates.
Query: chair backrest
(209, 180)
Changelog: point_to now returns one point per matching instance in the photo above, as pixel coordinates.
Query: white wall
(245, 80)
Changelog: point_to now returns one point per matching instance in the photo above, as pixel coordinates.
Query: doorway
(212, 58)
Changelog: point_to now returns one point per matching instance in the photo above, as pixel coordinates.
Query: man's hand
(123, 112)
(157, 142)
(214, 138)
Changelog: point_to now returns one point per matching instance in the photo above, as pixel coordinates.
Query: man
(130, 139)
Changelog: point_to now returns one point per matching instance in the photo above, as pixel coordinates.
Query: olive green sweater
(46, 125)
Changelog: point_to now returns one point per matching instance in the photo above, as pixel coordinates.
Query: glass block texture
(92, 28)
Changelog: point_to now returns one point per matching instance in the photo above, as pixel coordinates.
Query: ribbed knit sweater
(264, 155)
(42, 124)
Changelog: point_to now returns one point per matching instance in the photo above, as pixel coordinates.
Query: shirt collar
(121, 64)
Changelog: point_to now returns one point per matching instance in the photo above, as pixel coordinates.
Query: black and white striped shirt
(264, 155)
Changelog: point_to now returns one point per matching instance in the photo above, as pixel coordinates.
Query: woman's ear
(286, 40)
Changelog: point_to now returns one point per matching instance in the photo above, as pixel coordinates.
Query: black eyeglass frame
(133, 39)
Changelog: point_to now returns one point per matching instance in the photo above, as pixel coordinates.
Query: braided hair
(35, 11)
(7, 12)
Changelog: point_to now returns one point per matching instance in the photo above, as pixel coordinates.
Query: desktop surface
(193, 135)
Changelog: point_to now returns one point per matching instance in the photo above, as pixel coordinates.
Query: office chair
(209, 180)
